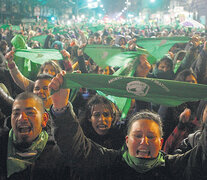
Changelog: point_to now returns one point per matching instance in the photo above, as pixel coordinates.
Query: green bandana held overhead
(39, 56)
(158, 47)
(143, 165)
(159, 91)
(41, 39)
(20, 160)
(115, 57)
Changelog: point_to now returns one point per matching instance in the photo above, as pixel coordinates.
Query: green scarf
(19, 160)
(143, 165)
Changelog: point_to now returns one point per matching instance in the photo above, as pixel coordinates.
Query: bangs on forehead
(106, 106)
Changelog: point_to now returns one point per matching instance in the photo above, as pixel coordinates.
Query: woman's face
(144, 67)
(144, 140)
(49, 69)
(101, 118)
(163, 66)
(191, 79)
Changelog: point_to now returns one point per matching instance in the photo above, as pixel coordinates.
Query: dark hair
(26, 95)
(97, 99)
(44, 76)
(183, 74)
(2, 43)
(53, 64)
(97, 34)
(168, 61)
(145, 114)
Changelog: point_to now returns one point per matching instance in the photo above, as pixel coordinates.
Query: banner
(164, 92)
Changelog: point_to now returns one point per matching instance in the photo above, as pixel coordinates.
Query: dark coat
(49, 165)
(88, 157)
(200, 67)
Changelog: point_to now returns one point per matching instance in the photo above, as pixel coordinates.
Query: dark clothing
(6, 102)
(88, 157)
(49, 165)
(141, 105)
(6, 79)
(200, 67)
(181, 132)
(188, 143)
(114, 139)
(81, 64)
(170, 116)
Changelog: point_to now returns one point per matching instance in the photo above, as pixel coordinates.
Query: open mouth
(24, 129)
(142, 153)
(102, 127)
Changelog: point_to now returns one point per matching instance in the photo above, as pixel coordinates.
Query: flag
(104, 55)
(127, 61)
(123, 103)
(158, 91)
(100, 53)
(39, 56)
(124, 58)
(158, 47)
(41, 39)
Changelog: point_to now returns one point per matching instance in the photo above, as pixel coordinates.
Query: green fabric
(15, 28)
(125, 57)
(143, 165)
(96, 28)
(39, 56)
(4, 26)
(100, 53)
(105, 56)
(159, 91)
(126, 70)
(177, 65)
(26, 67)
(41, 39)
(18, 42)
(158, 47)
(18, 161)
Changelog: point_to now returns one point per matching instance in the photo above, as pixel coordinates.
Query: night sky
(113, 7)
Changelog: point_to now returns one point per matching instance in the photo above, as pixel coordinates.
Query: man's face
(144, 139)
(41, 89)
(101, 119)
(27, 119)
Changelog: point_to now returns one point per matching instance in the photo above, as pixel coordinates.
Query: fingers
(185, 115)
(56, 81)
(9, 56)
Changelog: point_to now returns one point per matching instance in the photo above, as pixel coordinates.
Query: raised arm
(18, 77)
(80, 151)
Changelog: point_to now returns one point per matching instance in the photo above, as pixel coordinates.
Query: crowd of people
(81, 134)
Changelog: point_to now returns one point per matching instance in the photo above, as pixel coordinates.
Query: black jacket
(49, 165)
(88, 157)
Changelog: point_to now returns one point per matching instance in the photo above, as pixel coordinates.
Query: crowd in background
(182, 125)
